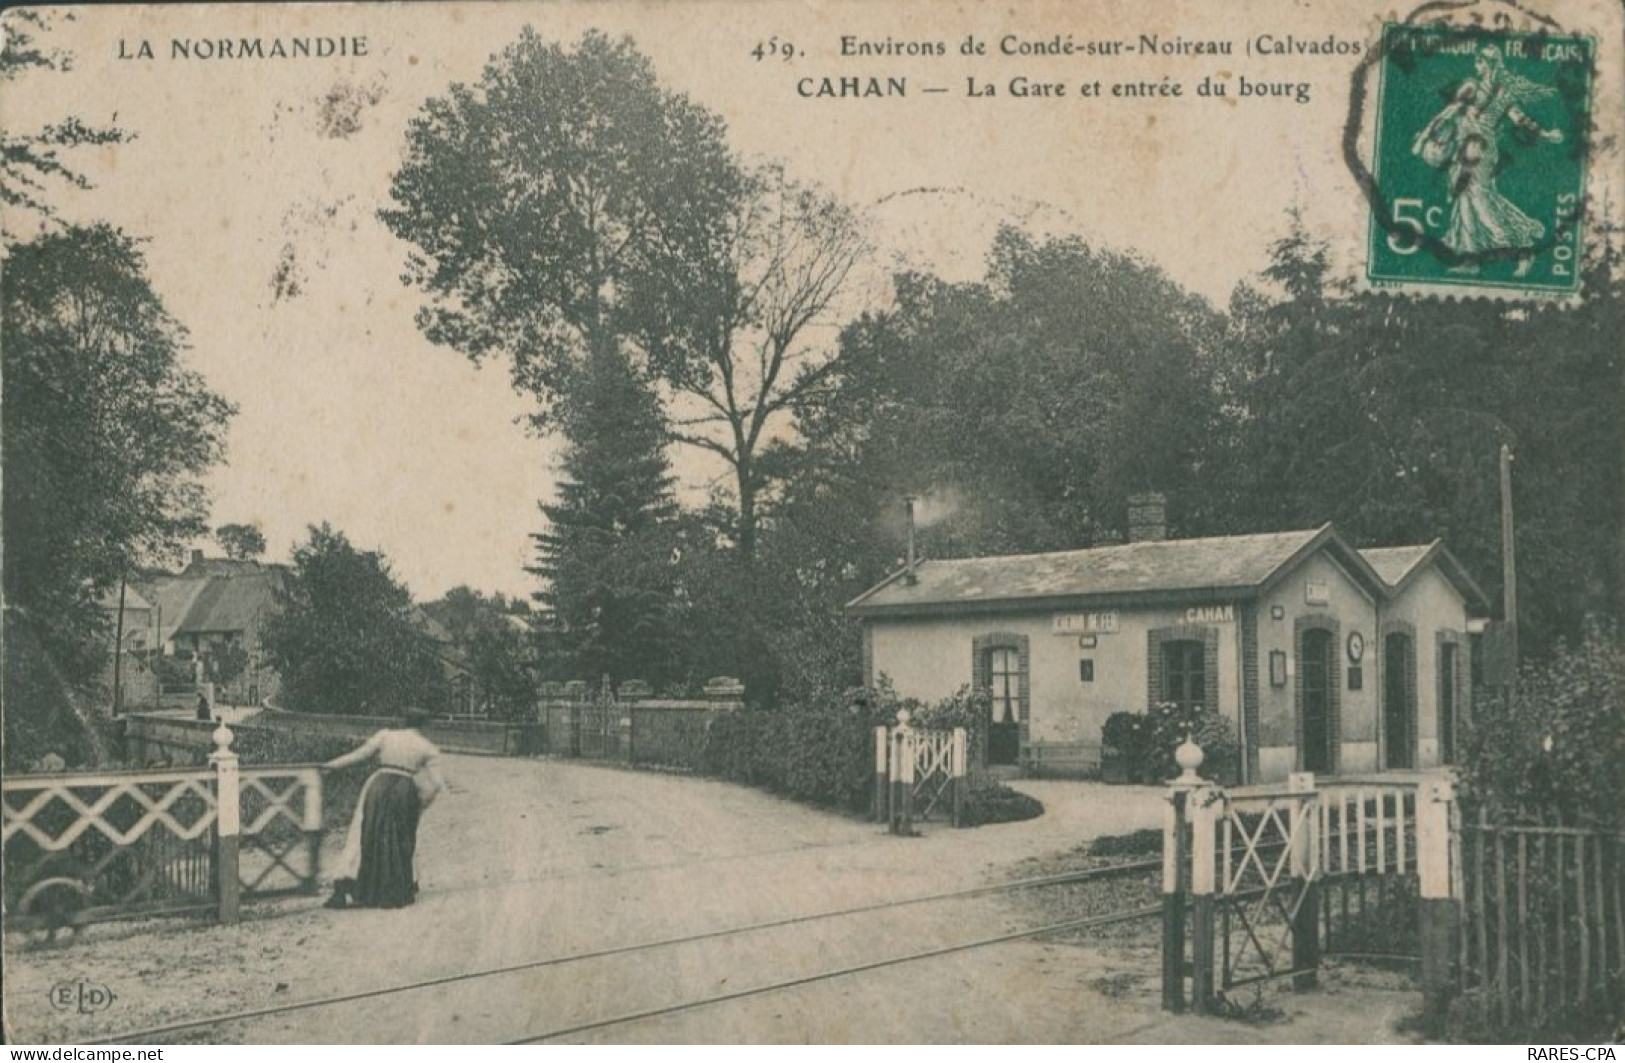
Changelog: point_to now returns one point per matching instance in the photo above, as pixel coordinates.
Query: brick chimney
(1147, 519)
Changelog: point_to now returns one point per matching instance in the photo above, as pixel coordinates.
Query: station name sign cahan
(1106, 621)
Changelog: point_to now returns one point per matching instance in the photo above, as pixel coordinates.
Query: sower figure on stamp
(378, 867)
(1465, 138)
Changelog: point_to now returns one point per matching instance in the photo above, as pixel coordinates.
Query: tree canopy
(32, 163)
(106, 437)
(345, 638)
(240, 541)
(1387, 415)
(776, 269)
(605, 558)
(497, 645)
(558, 207)
(1023, 409)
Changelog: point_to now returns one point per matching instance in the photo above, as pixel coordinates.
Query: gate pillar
(228, 825)
(1204, 805)
(1305, 834)
(879, 805)
(902, 776)
(960, 767)
(1176, 862)
(1438, 914)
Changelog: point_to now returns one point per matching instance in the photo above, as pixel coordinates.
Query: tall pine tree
(605, 559)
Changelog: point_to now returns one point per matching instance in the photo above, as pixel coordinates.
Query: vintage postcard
(835, 522)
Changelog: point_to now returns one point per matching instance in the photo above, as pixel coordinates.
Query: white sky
(348, 415)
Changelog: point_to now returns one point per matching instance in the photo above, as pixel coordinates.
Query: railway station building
(1324, 658)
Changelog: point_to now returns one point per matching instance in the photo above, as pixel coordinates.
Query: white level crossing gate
(78, 847)
(920, 774)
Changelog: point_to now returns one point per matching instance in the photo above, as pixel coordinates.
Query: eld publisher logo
(81, 995)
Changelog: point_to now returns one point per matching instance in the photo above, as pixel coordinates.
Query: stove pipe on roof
(908, 567)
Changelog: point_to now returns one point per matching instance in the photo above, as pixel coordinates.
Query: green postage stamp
(1480, 161)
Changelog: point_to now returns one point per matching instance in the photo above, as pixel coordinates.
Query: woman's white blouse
(405, 750)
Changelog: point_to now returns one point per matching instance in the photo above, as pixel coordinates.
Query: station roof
(1210, 569)
(1399, 565)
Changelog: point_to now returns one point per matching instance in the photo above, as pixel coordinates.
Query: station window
(1184, 679)
(1004, 681)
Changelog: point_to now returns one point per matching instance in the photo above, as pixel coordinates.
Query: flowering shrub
(1145, 742)
(1169, 724)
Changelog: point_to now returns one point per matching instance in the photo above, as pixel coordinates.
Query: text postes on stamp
(1480, 158)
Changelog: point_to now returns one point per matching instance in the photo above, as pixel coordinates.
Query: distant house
(1324, 658)
(130, 670)
(213, 610)
(453, 662)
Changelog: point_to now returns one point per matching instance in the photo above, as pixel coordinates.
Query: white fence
(78, 847)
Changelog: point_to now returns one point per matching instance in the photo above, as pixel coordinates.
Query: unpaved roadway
(532, 860)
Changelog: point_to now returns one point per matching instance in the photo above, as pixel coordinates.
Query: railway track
(223, 1021)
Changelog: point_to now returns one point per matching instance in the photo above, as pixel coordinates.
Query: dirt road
(536, 860)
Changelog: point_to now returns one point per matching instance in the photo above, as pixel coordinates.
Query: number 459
(1411, 214)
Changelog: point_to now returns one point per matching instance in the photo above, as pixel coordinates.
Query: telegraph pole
(1509, 565)
(118, 649)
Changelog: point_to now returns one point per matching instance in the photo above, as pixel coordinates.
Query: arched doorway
(1398, 701)
(1448, 662)
(1315, 701)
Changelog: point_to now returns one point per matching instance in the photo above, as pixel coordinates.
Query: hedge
(823, 753)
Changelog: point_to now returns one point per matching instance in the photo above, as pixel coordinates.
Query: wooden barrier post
(1303, 825)
(880, 811)
(1203, 806)
(1175, 860)
(1176, 881)
(312, 826)
(1438, 913)
(902, 776)
(228, 824)
(961, 770)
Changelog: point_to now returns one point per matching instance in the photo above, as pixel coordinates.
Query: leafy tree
(31, 163)
(344, 639)
(498, 648)
(501, 660)
(459, 610)
(543, 238)
(241, 542)
(1024, 409)
(1387, 416)
(106, 435)
(227, 663)
(745, 362)
(606, 557)
(559, 206)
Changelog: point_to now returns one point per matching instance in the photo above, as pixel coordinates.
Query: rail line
(149, 1035)
(1108, 919)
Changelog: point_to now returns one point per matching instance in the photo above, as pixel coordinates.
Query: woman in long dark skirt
(378, 868)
